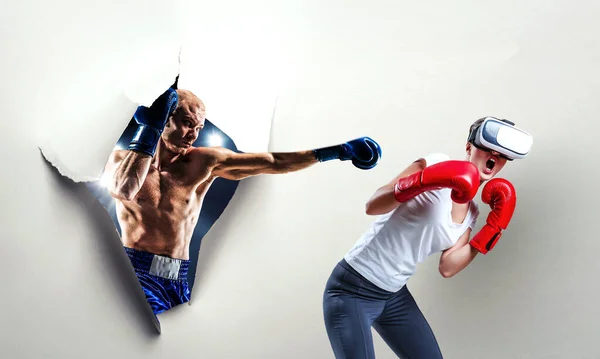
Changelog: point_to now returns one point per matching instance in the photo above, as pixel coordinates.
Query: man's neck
(163, 156)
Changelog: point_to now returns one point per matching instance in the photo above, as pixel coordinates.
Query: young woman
(428, 208)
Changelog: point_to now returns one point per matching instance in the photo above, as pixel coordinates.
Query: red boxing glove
(461, 176)
(502, 198)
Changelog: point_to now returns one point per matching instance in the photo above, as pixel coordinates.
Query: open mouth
(490, 163)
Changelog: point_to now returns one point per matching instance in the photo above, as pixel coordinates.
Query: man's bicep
(228, 160)
(235, 166)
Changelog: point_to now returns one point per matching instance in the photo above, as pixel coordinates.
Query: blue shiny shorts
(163, 279)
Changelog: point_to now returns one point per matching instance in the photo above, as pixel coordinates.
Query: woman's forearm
(457, 260)
(382, 201)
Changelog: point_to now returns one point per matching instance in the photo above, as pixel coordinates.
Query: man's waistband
(157, 265)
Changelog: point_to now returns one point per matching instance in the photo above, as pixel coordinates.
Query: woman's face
(489, 163)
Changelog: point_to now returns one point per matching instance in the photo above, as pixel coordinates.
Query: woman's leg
(404, 328)
(349, 314)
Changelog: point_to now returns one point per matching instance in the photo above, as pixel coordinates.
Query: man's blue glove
(151, 122)
(364, 153)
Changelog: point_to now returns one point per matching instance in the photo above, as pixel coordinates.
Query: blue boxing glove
(364, 153)
(151, 122)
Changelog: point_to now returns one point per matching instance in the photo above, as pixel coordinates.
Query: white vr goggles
(503, 137)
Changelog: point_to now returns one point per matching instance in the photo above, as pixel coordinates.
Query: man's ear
(468, 148)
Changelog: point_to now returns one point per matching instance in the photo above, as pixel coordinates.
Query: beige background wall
(412, 75)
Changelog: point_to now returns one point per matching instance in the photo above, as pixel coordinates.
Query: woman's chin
(486, 174)
(487, 178)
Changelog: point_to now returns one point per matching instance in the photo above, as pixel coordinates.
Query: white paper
(237, 71)
(94, 114)
(239, 95)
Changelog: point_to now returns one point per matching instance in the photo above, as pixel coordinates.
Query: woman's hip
(346, 280)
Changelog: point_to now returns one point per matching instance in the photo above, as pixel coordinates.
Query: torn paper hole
(239, 92)
(163, 256)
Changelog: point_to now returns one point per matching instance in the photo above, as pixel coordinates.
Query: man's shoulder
(205, 155)
(203, 152)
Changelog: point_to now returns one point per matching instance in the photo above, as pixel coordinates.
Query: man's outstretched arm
(236, 166)
(364, 153)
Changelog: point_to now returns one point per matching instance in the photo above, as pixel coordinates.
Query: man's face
(183, 127)
(489, 163)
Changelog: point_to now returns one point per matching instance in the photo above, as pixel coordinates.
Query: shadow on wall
(109, 252)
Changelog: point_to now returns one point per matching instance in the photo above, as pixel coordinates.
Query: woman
(428, 208)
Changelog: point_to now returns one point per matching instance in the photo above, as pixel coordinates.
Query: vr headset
(501, 136)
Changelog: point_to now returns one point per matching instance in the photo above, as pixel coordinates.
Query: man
(160, 181)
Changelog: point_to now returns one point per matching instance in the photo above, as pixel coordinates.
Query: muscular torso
(162, 216)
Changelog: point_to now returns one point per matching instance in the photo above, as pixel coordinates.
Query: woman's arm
(383, 200)
(458, 257)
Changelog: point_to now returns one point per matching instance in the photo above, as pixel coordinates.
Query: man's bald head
(183, 127)
(190, 103)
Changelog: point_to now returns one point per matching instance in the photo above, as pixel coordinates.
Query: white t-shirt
(388, 252)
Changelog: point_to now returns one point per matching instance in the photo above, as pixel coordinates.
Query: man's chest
(166, 189)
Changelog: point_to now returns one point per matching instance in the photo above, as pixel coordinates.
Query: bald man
(159, 183)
